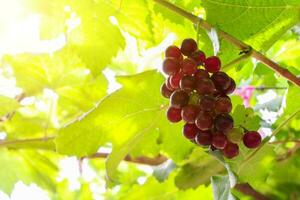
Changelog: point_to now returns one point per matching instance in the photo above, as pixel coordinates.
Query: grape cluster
(198, 91)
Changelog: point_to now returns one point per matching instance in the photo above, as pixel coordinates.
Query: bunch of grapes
(198, 91)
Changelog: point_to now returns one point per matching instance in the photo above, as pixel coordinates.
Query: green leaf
(7, 105)
(259, 23)
(246, 118)
(221, 188)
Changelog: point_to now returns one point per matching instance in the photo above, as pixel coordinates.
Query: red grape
(198, 57)
(171, 66)
(189, 113)
(223, 105)
(168, 84)
(219, 141)
(190, 131)
(204, 121)
(187, 83)
(223, 123)
(188, 66)
(179, 98)
(207, 103)
(205, 86)
(201, 74)
(204, 138)
(252, 139)
(231, 150)
(174, 52)
(175, 79)
(231, 87)
(174, 114)
(221, 80)
(212, 64)
(165, 91)
(188, 46)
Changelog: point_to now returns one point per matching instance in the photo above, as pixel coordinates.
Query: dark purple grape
(204, 121)
(189, 113)
(212, 64)
(174, 114)
(221, 80)
(188, 46)
(190, 131)
(201, 74)
(188, 66)
(165, 91)
(223, 105)
(174, 52)
(205, 86)
(198, 57)
(171, 66)
(187, 83)
(179, 99)
(204, 138)
(168, 84)
(175, 79)
(231, 150)
(252, 139)
(223, 123)
(231, 87)
(219, 141)
(207, 103)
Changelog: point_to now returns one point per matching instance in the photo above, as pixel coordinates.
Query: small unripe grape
(205, 86)
(223, 123)
(189, 113)
(187, 83)
(171, 66)
(221, 80)
(231, 150)
(235, 135)
(204, 121)
(204, 138)
(198, 57)
(174, 52)
(188, 46)
(165, 91)
(179, 99)
(223, 105)
(207, 103)
(188, 66)
(174, 114)
(252, 139)
(212, 64)
(194, 99)
(201, 74)
(190, 131)
(219, 141)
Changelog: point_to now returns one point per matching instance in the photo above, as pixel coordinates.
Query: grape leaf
(246, 118)
(7, 105)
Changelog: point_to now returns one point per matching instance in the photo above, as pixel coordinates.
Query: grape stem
(234, 41)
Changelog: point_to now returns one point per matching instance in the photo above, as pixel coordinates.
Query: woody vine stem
(234, 41)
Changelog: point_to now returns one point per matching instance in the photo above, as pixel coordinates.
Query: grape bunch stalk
(198, 93)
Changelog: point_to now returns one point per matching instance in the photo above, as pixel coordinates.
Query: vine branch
(234, 41)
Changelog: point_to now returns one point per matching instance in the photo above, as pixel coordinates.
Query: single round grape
(168, 84)
(231, 150)
(221, 80)
(212, 64)
(188, 46)
(252, 139)
(201, 74)
(235, 135)
(190, 131)
(219, 141)
(223, 105)
(187, 83)
(204, 121)
(165, 91)
(188, 66)
(194, 98)
(174, 114)
(174, 52)
(204, 138)
(205, 86)
(198, 57)
(207, 103)
(175, 79)
(189, 113)
(179, 98)
(231, 87)
(171, 66)
(223, 123)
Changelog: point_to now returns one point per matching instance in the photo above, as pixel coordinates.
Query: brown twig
(236, 42)
(247, 189)
(7, 117)
(289, 153)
